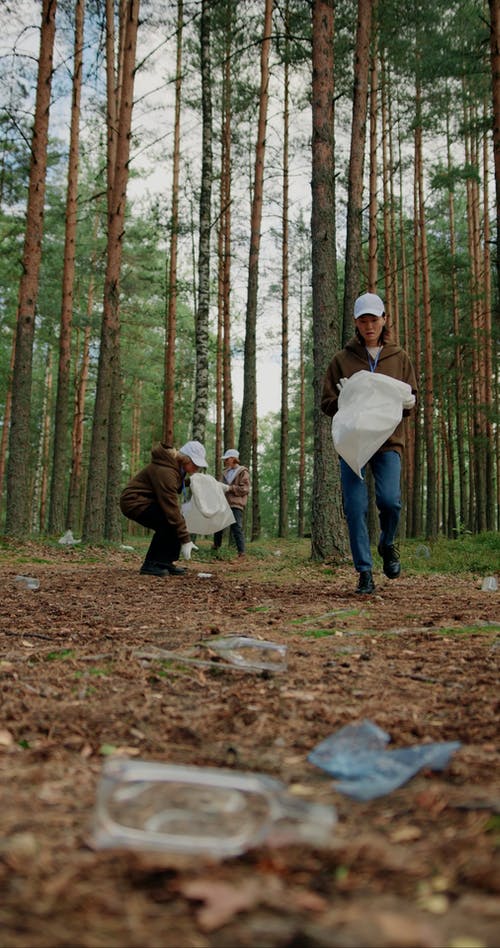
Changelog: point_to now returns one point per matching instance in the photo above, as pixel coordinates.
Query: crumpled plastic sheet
(357, 757)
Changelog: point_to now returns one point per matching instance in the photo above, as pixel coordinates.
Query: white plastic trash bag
(370, 409)
(207, 511)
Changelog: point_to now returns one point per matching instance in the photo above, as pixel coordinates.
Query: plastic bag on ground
(207, 511)
(370, 409)
(357, 756)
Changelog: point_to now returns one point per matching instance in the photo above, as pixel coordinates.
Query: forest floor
(81, 681)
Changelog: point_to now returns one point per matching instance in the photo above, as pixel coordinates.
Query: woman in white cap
(371, 350)
(236, 484)
(151, 498)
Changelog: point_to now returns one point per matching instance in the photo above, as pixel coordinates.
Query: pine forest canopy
(192, 195)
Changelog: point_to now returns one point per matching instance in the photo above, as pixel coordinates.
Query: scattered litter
(29, 582)
(233, 652)
(128, 549)
(148, 806)
(204, 575)
(246, 652)
(357, 756)
(68, 539)
(423, 550)
(490, 584)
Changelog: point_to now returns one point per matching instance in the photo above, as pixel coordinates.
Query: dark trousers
(165, 545)
(236, 531)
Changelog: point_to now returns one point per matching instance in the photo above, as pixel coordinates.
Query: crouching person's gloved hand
(340, 385)
(187, 549)
(409, 402)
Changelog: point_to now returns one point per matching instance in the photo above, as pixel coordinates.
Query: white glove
(341, 384)
(225, 488)
(187, 549)
(409, 402)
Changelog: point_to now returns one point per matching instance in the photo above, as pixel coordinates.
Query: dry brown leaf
(221, 900)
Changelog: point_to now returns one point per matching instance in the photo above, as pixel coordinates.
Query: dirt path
(416, 867)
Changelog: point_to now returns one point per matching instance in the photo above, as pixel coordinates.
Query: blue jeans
(386, 468)
(236, 531)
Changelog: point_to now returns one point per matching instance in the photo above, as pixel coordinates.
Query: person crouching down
(236, 484)
(151, 498)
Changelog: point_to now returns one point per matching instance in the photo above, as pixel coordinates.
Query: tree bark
(171, 322)
(353, 253)
(61, 442)
(327, 530)
(17, 522)
(202, 329)
(95, 507)
(284, 462)
(248, 428)
(495, 94)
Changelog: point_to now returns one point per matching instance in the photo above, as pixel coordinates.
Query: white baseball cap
(368, 304)
(231, 453)
(195, 451)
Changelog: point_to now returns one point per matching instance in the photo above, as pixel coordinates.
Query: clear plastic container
(159, 807)
(247, 652)
(28, 581)
(490, 584)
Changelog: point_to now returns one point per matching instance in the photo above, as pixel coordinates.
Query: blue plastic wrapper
(357, 757)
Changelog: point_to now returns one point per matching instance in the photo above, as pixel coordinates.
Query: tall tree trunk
(202, 329)
(284, 464)
(94, 520)
(458, 373)
(487, 340)
(171, 325)
(61, 444)
(302, 414)
(431, 513)
(75, 499)
(229, 437)
(495, 89)
(477, 323)
(417, 509)
(39, 511)
(328, 533)
(353, 254)
(7, 415)
(248, 428)
(17, 520)
(373, 203)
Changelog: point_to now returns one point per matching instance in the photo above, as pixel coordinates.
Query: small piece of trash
(28, 581)
(129, 549)
(204, 575)
(490, 584)
(357, 757)
(423, 550)
(158, 807)
(68, 539)
(231, 652)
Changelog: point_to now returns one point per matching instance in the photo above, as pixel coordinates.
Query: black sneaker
(150, 568)
(390, 555)
(366, 584)
(174, 570)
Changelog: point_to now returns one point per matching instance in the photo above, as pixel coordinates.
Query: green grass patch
(478, 554)
(469, 630)
(318, 633)
(61, 656)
